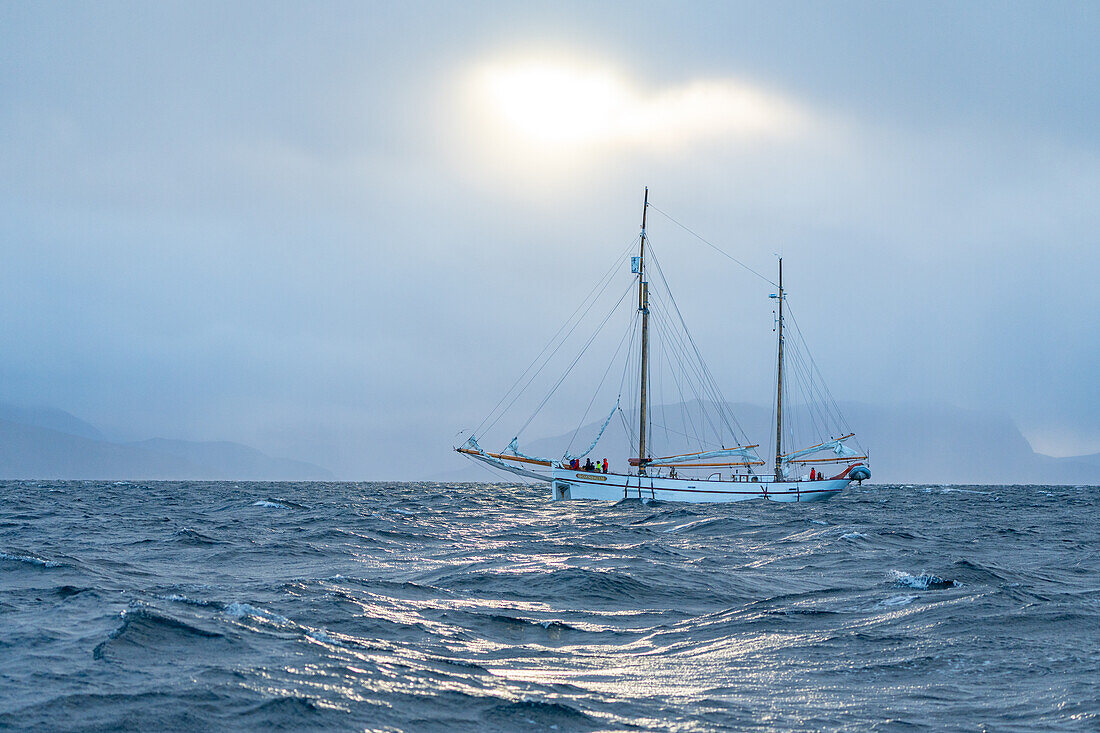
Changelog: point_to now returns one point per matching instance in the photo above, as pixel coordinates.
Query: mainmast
(643, 306)
(779, 386)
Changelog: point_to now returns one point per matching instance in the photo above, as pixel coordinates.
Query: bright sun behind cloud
(558, 104)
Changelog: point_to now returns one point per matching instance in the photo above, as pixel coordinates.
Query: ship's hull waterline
(568, 484)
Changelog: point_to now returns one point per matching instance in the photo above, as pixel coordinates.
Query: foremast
(779, 386)
(643, 306)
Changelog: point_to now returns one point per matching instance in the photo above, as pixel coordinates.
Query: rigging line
(618, 260)
(809, 354)
(663, 329)
(804, 381)
(706, 399)
(704, 443)
(701, 391)
(708, 381)
(591, 300)
(821, 406)
(800, 417)
(818, 398)
(723, 409)
(842, 422)
(607, 371)
(675, 359)
(679, 389)
(814, 406)
(626, 426)
(657, 374)
(574, 363)
(684, 415)
(706, 394)
(633, 329)
(816, 402)
(683, 355)
(628, 363)
(679, 376)
(631, 367)
(815, 424)
(712, 245)
(661, 391)
(561, 343)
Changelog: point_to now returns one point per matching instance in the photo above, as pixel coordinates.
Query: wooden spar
(846, 459)
(699, 453)
(503, 457)
(849, 435)
(779, 385)
(643, 306)
(703, 465)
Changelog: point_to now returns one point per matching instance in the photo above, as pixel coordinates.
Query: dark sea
(434, 607)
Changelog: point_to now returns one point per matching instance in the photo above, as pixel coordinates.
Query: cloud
(547, 105)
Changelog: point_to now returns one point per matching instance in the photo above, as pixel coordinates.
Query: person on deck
(605, 465)
(588, 465)
(813, 475)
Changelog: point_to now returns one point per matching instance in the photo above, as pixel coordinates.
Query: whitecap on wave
(321, 636)
(924, 581)
(31, 560)
(245, 610)
(691, 525)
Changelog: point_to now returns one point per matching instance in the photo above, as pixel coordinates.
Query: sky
(339, 231)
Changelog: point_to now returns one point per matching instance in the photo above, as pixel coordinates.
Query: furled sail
(746, 453)
(513, 448)
(835, 446)
(569, 456)
(473, 450)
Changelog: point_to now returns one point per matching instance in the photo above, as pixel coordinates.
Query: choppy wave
(270, 504)
(484, 607)
(245, 610)
(922, 581)
(30, 560)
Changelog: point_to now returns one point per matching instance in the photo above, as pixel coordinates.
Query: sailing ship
(726, 469)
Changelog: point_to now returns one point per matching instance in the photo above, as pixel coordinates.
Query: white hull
(568, 484)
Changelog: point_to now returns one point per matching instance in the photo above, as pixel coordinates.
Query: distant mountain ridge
(51, 418)
(47, 443)
(236, 460)
(907, 443)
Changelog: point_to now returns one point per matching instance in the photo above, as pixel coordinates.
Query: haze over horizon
(338, 232)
